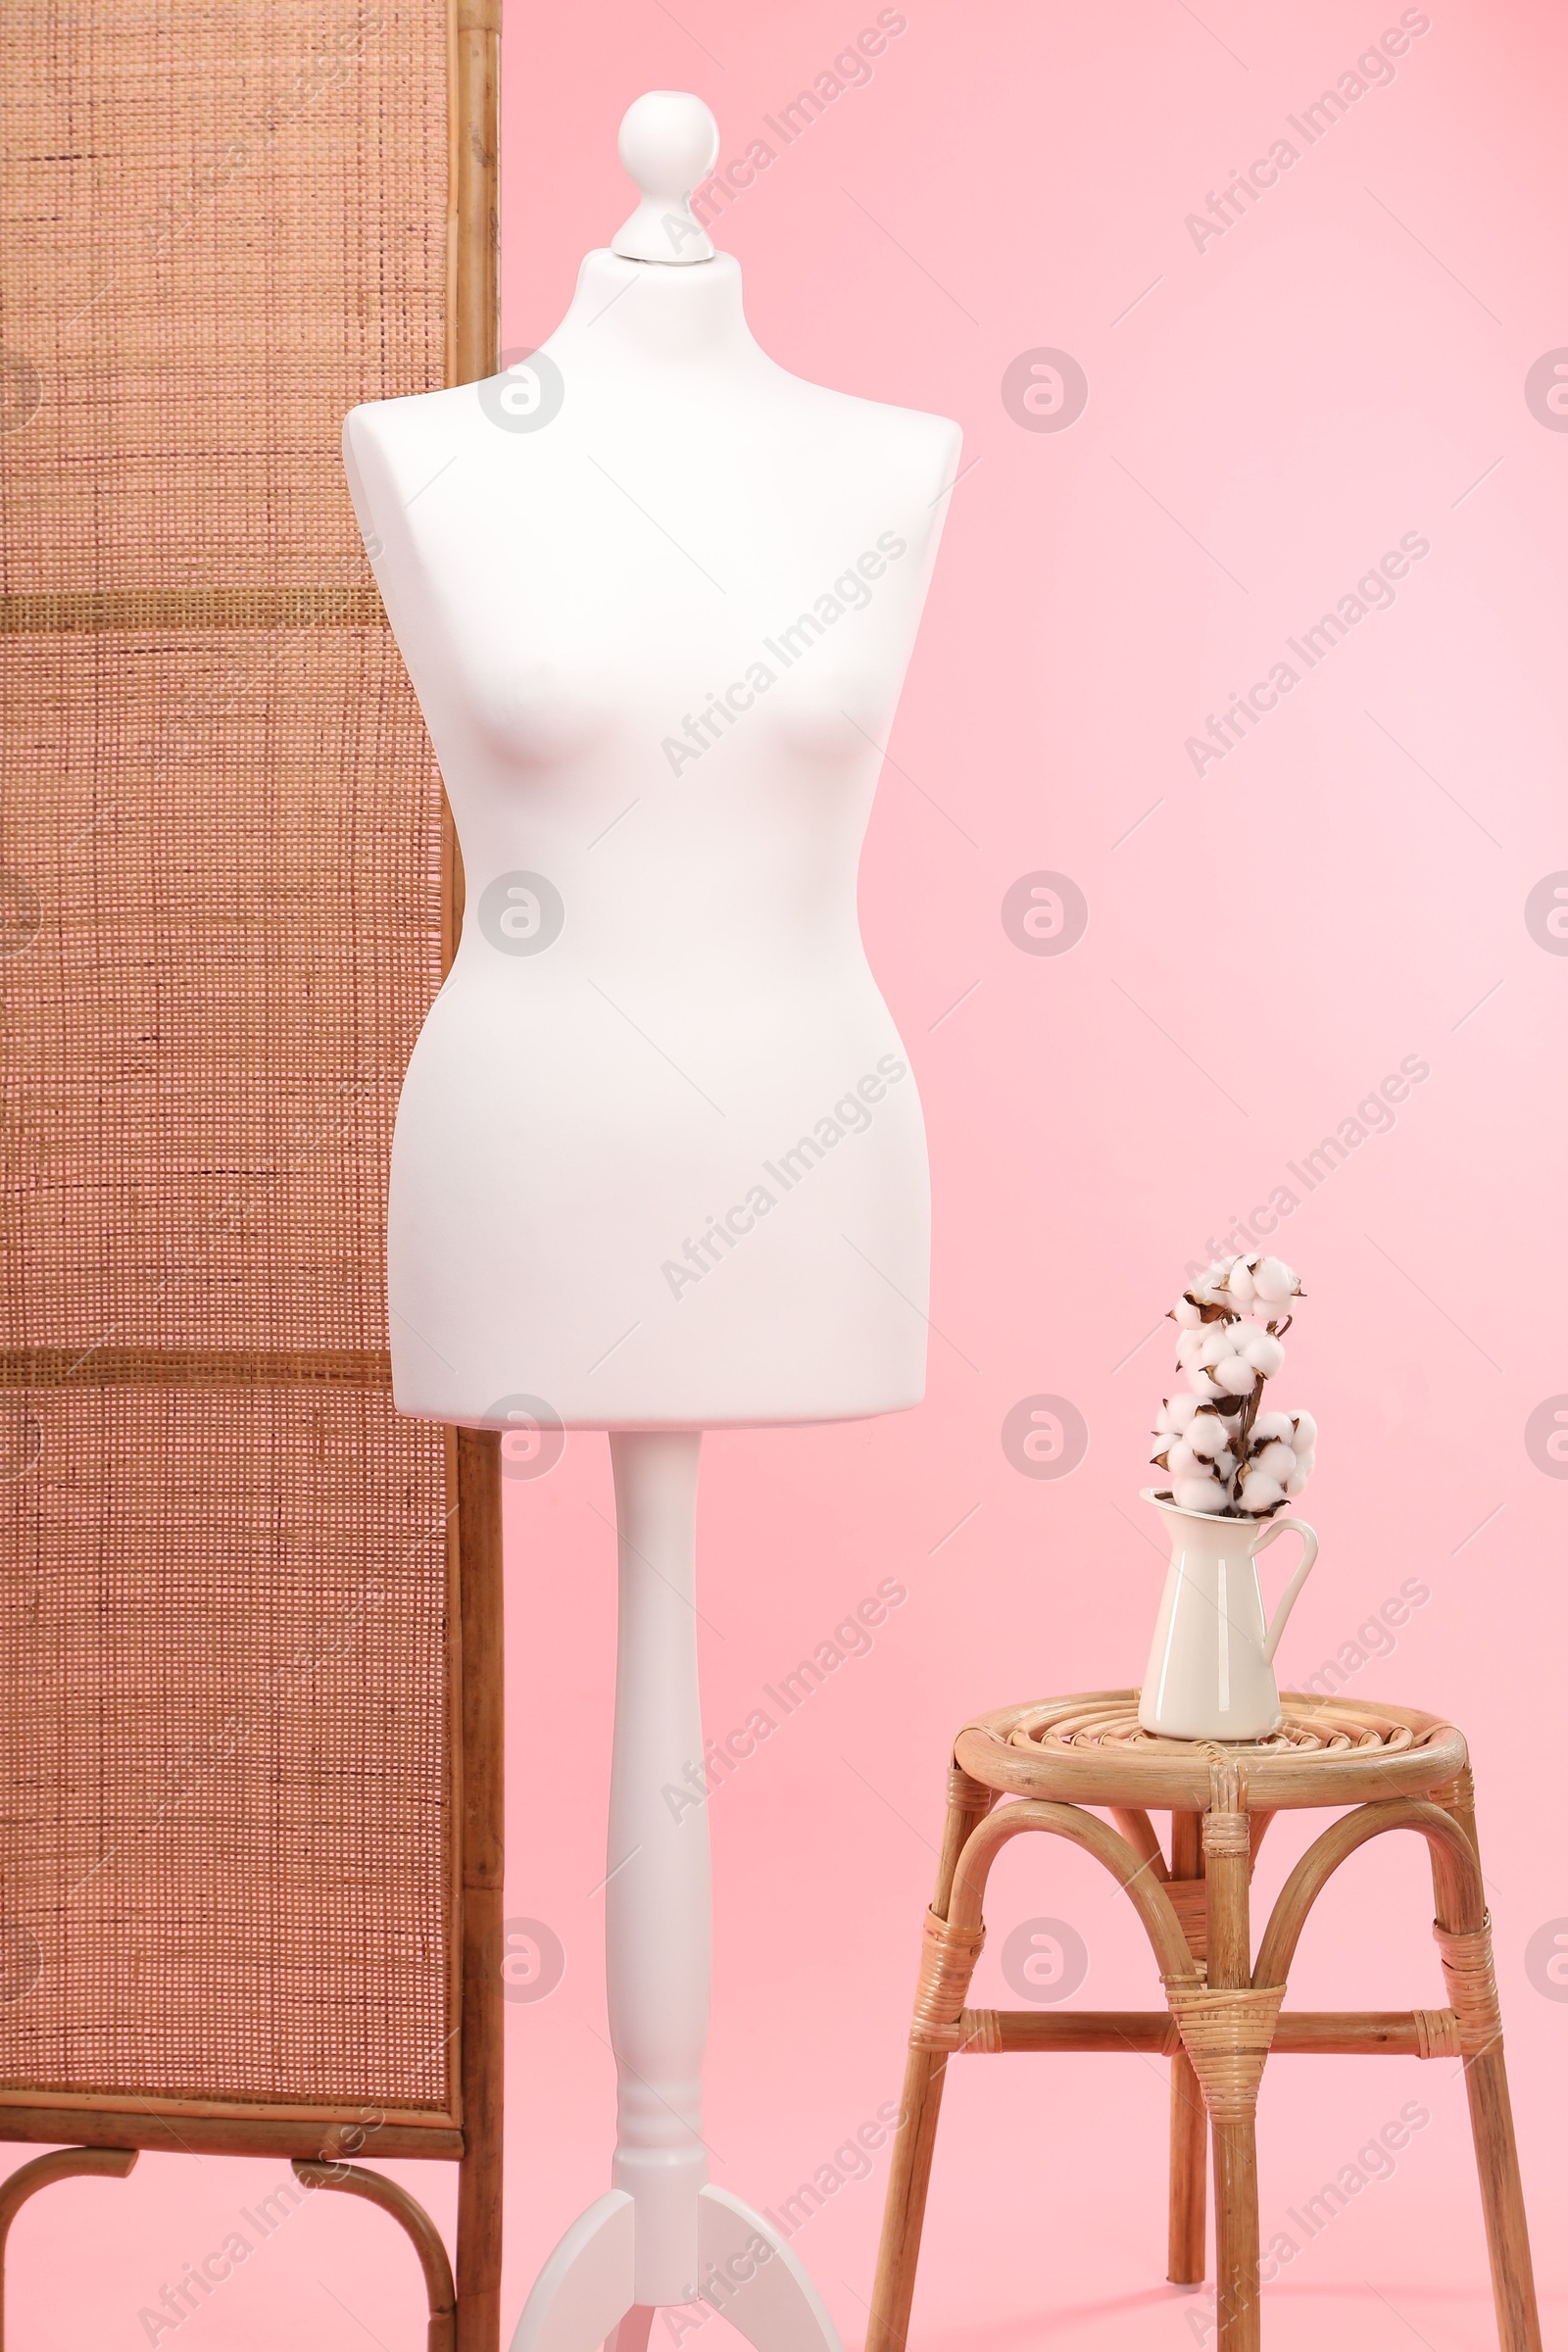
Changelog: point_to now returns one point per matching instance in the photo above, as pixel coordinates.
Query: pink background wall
(1343, 893)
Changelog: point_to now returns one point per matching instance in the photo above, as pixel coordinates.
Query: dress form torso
(660, 1159)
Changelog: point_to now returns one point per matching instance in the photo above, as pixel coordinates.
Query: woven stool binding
(1226, 2033)
(947, 1955)
(1466, 1954)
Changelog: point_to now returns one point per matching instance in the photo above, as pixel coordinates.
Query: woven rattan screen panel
(227, 1838)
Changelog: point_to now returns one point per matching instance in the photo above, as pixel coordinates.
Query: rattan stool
(1398, 1770)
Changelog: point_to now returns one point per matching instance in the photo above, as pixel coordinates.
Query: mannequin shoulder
(392, 450)
(935, 446)
(393, 433)
(904, 448)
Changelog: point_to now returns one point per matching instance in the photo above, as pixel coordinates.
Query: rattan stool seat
(1324, 1753)
(1058, 1765)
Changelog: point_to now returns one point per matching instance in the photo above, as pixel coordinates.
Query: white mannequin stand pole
(657, 1894)
(663, 2234)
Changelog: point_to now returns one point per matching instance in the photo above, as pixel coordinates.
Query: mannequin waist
(583, 1035)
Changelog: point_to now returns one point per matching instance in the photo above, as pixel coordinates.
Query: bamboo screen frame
(250, 1685)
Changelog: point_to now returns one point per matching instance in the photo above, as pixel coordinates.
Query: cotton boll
(1274, 1283)
(1200, 1494)
(1226, 1347)
(1224, 1354)
(1205, 1434)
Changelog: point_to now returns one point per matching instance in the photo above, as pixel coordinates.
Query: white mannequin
(659, 1163)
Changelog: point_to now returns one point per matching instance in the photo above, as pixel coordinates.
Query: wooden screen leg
(925, 2069)
(352, 2180)
(1189, 2118)
(1464, 1939)
(61, 2163)
(1227, 1857)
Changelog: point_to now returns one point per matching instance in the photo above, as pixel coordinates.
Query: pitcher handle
(1277, 1527)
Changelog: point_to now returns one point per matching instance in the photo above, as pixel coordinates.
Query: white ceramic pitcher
(1212, 1668)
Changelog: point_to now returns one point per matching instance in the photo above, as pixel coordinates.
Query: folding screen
(249, 1795)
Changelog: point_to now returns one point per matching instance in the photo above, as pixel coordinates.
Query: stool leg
(1189, 2119)
(913, 2145)
(915, 2140)
(1236, 2235)
(1188, 2162)
(1513, 2285)
(1230, 1968)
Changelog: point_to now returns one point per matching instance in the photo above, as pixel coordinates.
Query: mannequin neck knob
(669, 145)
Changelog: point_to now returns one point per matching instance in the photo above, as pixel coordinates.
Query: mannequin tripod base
(586, 2295)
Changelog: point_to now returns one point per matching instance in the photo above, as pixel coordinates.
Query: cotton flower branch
(1221, 1451)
